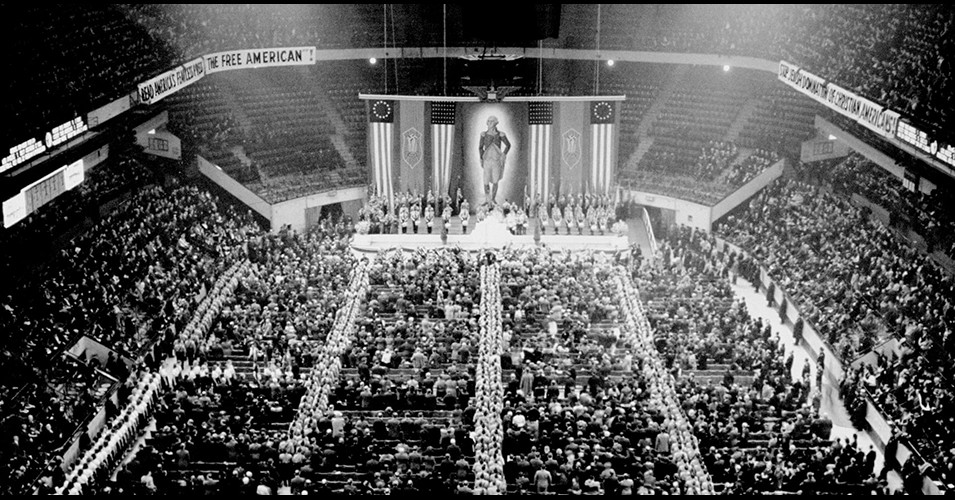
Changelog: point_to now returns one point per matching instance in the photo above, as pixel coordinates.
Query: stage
(488, 234)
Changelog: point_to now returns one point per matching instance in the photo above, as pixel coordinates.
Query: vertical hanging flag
(601, 145)
(381, 115)
(442, 138)
(541, 119)
(572, 142)
(410, 134)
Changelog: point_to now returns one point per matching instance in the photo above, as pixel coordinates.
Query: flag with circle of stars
(381, 115)
(382, 111)
(601, 112)
(601, 146)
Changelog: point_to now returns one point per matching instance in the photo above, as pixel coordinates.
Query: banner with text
(259, 58)
(803, 81)
(155, 89)
(867, 113)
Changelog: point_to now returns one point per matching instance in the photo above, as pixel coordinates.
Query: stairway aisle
(338, 139)
(744, 115)
(832, 405)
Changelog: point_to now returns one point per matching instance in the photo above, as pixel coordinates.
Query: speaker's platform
(490, 233)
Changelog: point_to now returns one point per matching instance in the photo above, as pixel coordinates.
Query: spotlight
(610, 62)
(726, 67)
(373, 61)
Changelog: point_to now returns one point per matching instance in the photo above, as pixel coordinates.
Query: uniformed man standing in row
(465, 215)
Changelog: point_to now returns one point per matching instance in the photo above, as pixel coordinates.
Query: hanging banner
(259, 58)
(873, 116)
(573, 147)
(869, 114)
(411, 129)
(155, 89)
(803, 81)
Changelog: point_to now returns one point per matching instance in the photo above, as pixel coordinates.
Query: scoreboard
(41, 192)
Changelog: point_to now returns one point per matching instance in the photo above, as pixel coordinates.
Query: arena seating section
(826, 259)
(724, 357)
(131, 248)
(121, 282)
(878, 63)
(693, 154)
(279, 122)
(929, 215)
(69, 61)
(898, 64)
(570, 377)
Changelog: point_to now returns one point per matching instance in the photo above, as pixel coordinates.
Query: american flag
(601, 140)
(442, 139)
(541, 119)
(382, 117)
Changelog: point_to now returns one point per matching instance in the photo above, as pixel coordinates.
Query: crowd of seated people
(856, 281)
(915, 394)
(900, 63)
(408, 378)
(111, 179)
(752, 166)
(216, 433)
(47, 227)
(239, 381)
(134, 272)
(930, 214)
(283, 306)
(203, 29)
(398, 417)
(757, 420)
(576, 409)
(297, 186)
(714, 158)
(669, 168)
(70, 60)
(820, 249)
